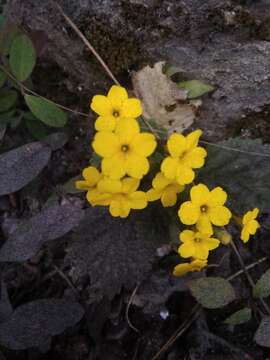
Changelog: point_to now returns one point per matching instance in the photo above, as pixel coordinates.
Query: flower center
(184, 153)
(116, 113)
(125, 148)
(197, 240)
(203, 208)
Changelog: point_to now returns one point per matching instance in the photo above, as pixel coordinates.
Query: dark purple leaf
(20, 166)
(51, 223)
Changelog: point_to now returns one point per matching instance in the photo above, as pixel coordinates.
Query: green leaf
(6, 117)
(262, 335)
(239, 317)
(212, 292)
(46, 111)
(2, 21)
(7, 35)
(262, 287)
(70, 187)
(3, 78)
(37, 129)
(22, 57)
(243, 173)
(8, 99)
(95, 160)
(195, 88)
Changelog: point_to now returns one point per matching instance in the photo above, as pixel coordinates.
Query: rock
(213, 41)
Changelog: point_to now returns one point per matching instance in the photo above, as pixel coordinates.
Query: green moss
(119, 52)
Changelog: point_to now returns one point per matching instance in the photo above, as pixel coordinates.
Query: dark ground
(225, 43)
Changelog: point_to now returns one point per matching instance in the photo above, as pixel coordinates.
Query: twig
(60, 272)
(221, 261)
(127, 310)
(86, 42)
(186, 324)
(249, 278)
(23, 87)
(234, 149)
(240, 272)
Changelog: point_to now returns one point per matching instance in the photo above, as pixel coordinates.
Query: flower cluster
(124, 152)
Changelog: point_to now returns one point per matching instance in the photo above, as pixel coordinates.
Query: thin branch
(186, 324)
(240, 272)
(25, 88)
(249, 278)
(127, 310)
(86, 42)
(63, 276)
(234, 149)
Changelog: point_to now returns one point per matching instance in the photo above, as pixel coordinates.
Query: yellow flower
(195, 265)
(120, 195)
(196, 244)
(185, 155)
(250, 224)
(113, 107)
(91, 177)
(205, 208)
(124, 152)
(164, 189)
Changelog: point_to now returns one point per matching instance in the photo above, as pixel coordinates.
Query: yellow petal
(253, 226)
(168, 198)
(219, 215)
(195, 158)
(105, 144)
(101, 105)
(91, 175)
(169, 167)
(137, 166)
(107, 185)
(95, 197)
(189, 213)
(192, 139)
(131, 108)
(187, 250)
(138, 200)
(184, 175)
(198, 264)
(105, 123)
(187, 236)
(114, 167)
(126, 130)
(199, 194)
(129, 185)
(211, 243)
(201, 251)
(176, 145)
(153, 195)
(144, 144)
(160, 181)
(182, 269)
(204, 224)
(217, 197)
(119, 207)
(117, 95)
(245, 235)
(82, 185)
(250, 215)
